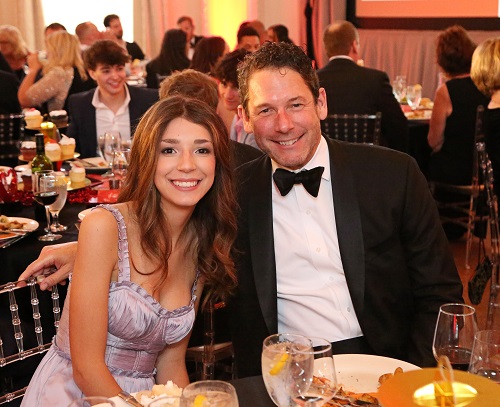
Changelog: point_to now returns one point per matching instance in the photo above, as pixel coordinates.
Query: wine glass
(413, 96)
(108, 143)
(45, 193)
(454, 334)
(399, 87)
(55, 208)
(92, 402)
(485, 360)
(209, 393)
(121, 159)
(287, 367)
(324, 380)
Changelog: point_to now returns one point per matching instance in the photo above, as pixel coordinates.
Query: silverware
(18, 232)
(7, 243)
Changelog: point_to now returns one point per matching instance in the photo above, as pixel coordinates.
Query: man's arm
(60, 257)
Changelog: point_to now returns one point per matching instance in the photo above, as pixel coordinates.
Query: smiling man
(113, 105)
(347, 245)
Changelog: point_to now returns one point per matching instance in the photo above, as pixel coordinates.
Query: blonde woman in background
(63, 54)
(14, 49)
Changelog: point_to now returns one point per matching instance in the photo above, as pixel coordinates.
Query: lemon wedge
(199, 400)
(279, 365)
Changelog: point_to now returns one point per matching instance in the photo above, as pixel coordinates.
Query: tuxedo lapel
(348, 220)
(260, 226)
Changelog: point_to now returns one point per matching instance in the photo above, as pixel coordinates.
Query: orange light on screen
(225, 17)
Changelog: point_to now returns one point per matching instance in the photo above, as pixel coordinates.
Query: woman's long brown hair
(212, 228)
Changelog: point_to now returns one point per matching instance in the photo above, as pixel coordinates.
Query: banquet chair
(22, 339)
(11, 133)
(206, 357)
(353, 128)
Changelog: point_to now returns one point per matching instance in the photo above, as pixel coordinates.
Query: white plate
(96, 162)
(360, 373)
(84, 213)
(29, 225)
(22, 168)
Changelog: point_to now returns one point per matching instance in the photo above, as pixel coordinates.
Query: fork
(9, 242)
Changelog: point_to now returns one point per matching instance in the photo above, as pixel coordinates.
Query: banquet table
(252, 392)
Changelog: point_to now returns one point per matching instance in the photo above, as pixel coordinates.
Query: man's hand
(60, 258)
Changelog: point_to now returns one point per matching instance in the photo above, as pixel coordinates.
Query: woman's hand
(34, 62)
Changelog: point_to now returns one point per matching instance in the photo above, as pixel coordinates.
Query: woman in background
(278, 33)
(485, 73)
(172, 57)
(14, 50)
(142, 264)
(63, 55)
(208, 53)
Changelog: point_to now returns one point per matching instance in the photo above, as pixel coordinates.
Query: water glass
(108, 143)
(287, 367)
(121, 159)
(413, 96)
(485, 360)
(55, 208)
(454, 334)
(93, 402)
(209, 393)
(399, 87)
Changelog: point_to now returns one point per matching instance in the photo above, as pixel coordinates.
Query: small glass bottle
(41, 162)
(48, 129)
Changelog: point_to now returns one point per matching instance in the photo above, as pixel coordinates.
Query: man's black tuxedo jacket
(82, 125)
(354, 89)
(396, 259)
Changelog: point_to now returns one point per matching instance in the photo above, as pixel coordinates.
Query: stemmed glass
(287, 367)
(399, 87)
(324, 380)
(209, 393)
(485, 360)
(45, 193)
(121, 158)
(454, 334)
(55, 208)
(108, 143)
(413, 96)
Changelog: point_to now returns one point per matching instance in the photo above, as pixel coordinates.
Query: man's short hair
(109, 18)
(338, 38)
(184, 18)
(193, 84)
(105, 52)
(277, 56)
(247, 31)
(55, 27)
(227, 68)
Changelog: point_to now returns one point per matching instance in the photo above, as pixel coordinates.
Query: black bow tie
(311, 179)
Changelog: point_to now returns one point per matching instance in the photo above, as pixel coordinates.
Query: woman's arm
(440, 112)
(28, 81)
(96, 260)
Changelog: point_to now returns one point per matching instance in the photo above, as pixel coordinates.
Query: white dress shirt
(107, 120)
(313, 297)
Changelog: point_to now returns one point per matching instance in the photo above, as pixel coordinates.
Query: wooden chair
(14, 298)
(210, 353)
(353, 128)
(11, 134)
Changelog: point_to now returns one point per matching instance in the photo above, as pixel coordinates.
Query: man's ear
(246, 122)
(322, 105)
(92, 74)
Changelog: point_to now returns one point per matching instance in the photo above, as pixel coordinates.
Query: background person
(14, 50)
(113, 24)
(186, 24)
(143, 263)
(208, 53)
(278, 33)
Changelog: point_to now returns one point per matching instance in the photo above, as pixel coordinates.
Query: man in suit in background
(352, 251)
(351, 88)
(113, 105)
(185, 23)
(113, 24)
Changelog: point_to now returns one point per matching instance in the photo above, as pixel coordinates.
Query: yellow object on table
(417, 388)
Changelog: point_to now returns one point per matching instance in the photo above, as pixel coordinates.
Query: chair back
(19, 300)
(353, 128)
(11, 133)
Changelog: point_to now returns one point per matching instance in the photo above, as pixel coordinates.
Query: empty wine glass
(93, 401)
(121, 159)
(45, 193)
(399, 87)
(108, 143)
(55, 208)
(485, 360)
(209, 393)
(454, 334)
(323, 385)
(413, 96)
(287, 367)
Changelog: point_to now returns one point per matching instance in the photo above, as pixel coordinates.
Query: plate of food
(361, 373)
(77, 185)
(145, 397)
(12, 226)
(95, 165)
